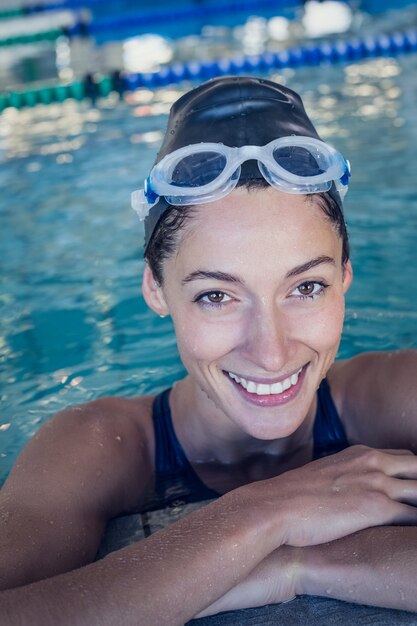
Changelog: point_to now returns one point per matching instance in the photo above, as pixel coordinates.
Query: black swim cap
(235, 111)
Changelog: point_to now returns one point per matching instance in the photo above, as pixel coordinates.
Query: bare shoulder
(376, 396)
(86, 465)
(100, 444)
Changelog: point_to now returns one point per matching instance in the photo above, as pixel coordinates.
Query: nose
(268, 341)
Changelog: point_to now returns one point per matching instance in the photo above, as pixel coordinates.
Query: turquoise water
(73, 324)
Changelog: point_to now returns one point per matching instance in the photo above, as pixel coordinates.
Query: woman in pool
(247, 251)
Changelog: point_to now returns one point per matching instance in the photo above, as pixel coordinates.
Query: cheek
(202, 340)
(325, 326)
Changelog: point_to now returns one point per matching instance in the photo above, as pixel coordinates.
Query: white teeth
(263, 389)
(249, 386)
(277, 388)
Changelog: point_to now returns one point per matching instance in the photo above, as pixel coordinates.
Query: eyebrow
(300, 269)
(232, 278)
(221, 276)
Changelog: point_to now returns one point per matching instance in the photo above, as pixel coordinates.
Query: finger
(407, 516)
(392, 464)
(402, 490)
(404, 467)
(408, 470)
(400, 451)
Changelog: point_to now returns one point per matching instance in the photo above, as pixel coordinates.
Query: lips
(271, 393)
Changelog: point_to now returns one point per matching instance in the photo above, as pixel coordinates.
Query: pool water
(73, 324)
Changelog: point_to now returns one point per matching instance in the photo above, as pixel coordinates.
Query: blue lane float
(341, 51)
(349, 51)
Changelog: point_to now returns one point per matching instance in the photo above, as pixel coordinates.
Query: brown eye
(306, 289)
(310, 289)
(215, 297)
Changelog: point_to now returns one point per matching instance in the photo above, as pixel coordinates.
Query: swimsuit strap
(171, 464)
(169, 455)
(329, 434)
(175, 478)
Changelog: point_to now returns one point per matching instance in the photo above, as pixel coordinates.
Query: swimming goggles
(204, 172)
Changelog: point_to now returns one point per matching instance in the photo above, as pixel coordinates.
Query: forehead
(258, 228)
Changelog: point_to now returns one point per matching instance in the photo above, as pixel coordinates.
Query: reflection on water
(73, 324)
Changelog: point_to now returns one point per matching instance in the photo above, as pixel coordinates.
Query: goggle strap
(140, 203)
(150, 194)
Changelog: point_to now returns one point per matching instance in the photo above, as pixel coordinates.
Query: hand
(335, 496)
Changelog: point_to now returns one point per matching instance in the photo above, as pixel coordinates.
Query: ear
(153, 294)
(347, 275)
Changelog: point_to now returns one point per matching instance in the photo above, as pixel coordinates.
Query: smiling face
(256, 294)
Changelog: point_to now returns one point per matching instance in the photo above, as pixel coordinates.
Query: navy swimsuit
(175, 478)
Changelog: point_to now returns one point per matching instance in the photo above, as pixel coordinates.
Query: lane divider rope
(349, 51)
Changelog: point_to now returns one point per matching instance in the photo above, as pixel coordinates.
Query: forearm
(165, 579)
(376, 566)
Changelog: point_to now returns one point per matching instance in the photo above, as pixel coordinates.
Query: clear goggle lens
(197, 170)
(300, 161)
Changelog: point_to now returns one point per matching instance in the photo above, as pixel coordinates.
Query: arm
(141, 584)
(198, 559)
